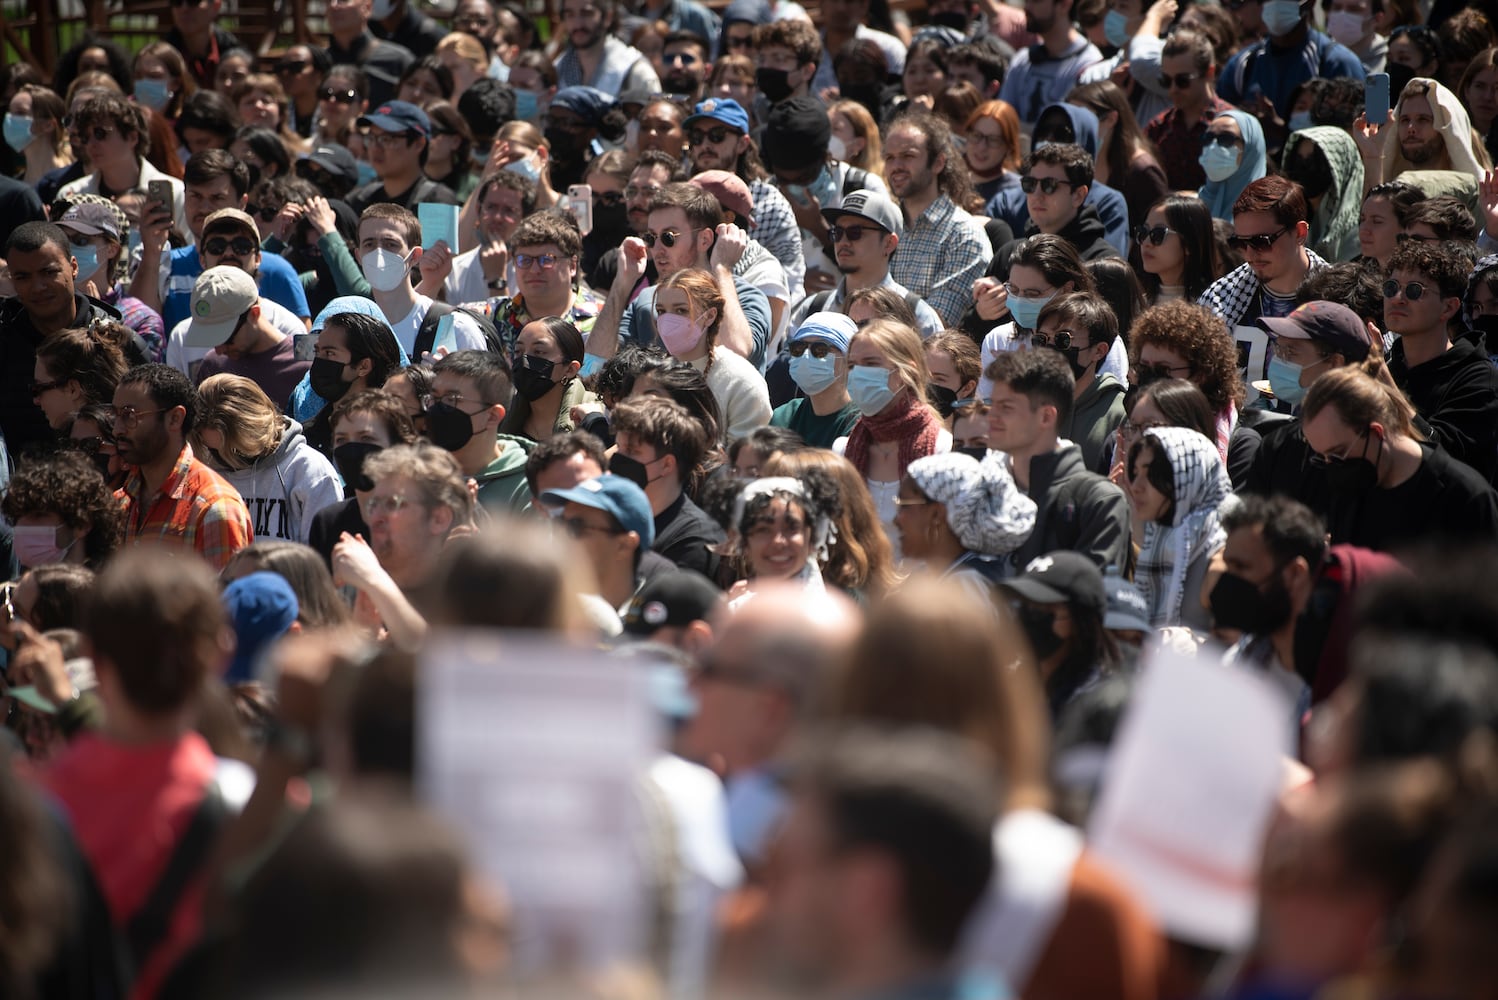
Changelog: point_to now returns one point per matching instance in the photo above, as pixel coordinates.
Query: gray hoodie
(285, 488)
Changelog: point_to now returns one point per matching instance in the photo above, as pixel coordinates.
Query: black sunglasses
(1061, 341)
(1153, 235)
(852, 233)
(1179, 81)
(1047, 185)
(1414, 291)
(292, 68)
(669, 238)
(348, 96)
(697, 136)
(243, 246)
(1261, 242)
(818, 350)
(608, 199)
(37, 388)
(1226, 140)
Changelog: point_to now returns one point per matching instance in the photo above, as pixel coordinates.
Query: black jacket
(415, 31)
(1077, 510)
(1445, 500)
(1457, 394)
(383, 64)
(683, 534)
(21, 420)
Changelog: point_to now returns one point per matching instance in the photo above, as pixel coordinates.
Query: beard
(679, 83)
(1423, 153)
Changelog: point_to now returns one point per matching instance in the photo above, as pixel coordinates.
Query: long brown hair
(860, 558)
(1128, 139)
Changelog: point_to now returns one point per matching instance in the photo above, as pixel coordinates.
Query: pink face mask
(678, 333)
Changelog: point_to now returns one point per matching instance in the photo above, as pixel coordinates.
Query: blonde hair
(239, 409)
(1361, 397)
(864, 126)
(934, 654)
(702, 292)
(860, 557)
(903, 348)
(467, 48)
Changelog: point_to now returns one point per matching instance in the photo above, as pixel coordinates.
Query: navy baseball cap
(613, 495)
(262, 607)
(720, 109)
(399, 116)
(1329, 323)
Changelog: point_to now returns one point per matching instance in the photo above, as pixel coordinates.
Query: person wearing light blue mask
(1265, 75)
(1233, 157)
(18, 134)
(819, 367)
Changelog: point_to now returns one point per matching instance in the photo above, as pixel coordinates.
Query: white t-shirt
(185, 359)
(467, 334)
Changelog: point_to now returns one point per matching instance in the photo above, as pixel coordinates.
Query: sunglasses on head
(1047, 185)
(348, 96)
(1261, 242)
(668, 239)
(1226, 140)
(1178, 81)
(716, 134)
(242, 246)
(818, 349)
(1413, 291)
(1153, 235)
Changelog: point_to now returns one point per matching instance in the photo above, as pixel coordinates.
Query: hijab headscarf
(1452, 122)
(1220, 195)
(1202, 489)
(1334, 230)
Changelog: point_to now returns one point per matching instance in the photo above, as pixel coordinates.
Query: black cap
(1062, 576)
(336, 160)
(673, 598)
(796, 134)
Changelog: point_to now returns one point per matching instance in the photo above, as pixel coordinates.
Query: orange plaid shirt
(195, 508)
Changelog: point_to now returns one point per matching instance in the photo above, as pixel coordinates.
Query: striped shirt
(195, 509)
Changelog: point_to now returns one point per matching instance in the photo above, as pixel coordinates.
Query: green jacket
(502, 485)
(1094, 417)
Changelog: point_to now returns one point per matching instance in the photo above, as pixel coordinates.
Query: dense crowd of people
(1031, 468)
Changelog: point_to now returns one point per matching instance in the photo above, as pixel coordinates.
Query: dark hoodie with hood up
(1457, 394)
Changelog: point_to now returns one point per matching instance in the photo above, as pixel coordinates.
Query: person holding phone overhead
(1428, 130)
(116, 139)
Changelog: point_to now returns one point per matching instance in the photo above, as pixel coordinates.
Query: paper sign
(445, 336)
(438, 222)
(536, 751)
(1191, 785)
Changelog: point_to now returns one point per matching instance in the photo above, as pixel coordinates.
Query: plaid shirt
(1180, 143)
(941, 255)
(141, 318)
(776, 229)
(509, 314)
(194, 509)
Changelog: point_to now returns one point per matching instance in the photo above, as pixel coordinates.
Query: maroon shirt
(1180, 143)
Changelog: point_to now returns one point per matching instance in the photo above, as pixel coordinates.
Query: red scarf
(907, 420)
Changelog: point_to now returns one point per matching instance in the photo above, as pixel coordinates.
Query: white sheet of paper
(535, 750)
(1190, 788)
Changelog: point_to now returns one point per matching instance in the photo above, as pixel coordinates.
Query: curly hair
(67, 484)
(860, 558)
(1201, 339)
(819, 500)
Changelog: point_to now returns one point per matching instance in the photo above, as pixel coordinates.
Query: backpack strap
(426, 334)
(856, 179)
(148, 928)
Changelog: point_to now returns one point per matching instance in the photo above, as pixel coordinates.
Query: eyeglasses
(384, 505)
(668, 238)
(1062, 340)
(217, 246)
(1025, 293)
(608, 199)
(649, 191)
(976, 138)
(526, 261)
(1133, 430)
(1226, 140)
(266, 213)
(852, 233)
(1178, 81)
(428, 400)
(348, 96)
(37, 388)
(128, 416)
(1413, 291)
(1325, 458)
(1153, 235)
(566, 123)
(1047, 185)
(577, 527)
(291, 68)
(718, 133)
(1416, 238)
(739, 41)
(1159, 369)
(389, 139)
(818, 349)
(1260, 242)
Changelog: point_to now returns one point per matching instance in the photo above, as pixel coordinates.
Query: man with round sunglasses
(865, 230)
(1453, 386)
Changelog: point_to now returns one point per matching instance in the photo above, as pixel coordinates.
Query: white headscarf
(1202, 492)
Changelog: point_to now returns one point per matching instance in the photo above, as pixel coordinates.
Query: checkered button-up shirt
(942, 254)
(195, 509)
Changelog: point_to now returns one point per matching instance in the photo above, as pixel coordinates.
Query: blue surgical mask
(1219, 163)
(526, 167)
(1300, 120)
(87, 257)
(823, 189)
(1284, 379)
(152, 93)
(527, 105)
(1281, 16)
(813, 375)
(1116, 29)
(18, 132)
(868, 386)
(1026, 312)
